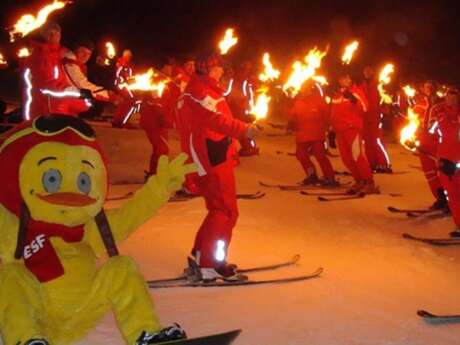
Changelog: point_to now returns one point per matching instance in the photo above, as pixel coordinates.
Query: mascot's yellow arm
(144, 204)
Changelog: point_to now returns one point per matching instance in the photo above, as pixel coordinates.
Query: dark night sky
(421, 37)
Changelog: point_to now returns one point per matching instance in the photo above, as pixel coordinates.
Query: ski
(299, 187)
(288, 263)
(400, 210)
(214, 339)
(433, 213)
(274, 125)
(433, 317)
(433, 241)
(342, 198)
(344, 193)
(247, 196)
(223, 283)
(285, 153)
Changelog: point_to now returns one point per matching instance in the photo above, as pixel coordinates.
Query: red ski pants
(213, 238)
(429, 163)
(351, 150)
(158, 138)
(376, 152)
(452, 187)
(318, 150)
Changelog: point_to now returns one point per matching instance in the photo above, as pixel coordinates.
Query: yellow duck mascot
(53, 228)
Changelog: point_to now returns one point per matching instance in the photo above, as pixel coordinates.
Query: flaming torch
(269, 73)
(260, 107)
(110, 53)
(3, 62)
(409, 91)
(349, 52)
(23, 52)
(385, 79)
(228, 41)
(408, 137)
(145, 82)
(302, 71)
(28, 22)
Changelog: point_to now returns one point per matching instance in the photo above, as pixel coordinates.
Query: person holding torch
(206, 120)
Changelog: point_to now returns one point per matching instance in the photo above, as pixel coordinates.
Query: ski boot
(441, 201)
(310, 180)
(455, 233)
(37, 342)
(370, 188)
(167, 334)
(330, 183)
(226, 272)
(356, 188)
(383, 169)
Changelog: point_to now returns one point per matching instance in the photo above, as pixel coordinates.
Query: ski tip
(407, 236)
(425, 314)
(392, 209)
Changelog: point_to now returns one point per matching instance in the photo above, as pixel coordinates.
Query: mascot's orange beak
(68, 199)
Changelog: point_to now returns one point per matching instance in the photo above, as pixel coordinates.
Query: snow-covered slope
(374, 281)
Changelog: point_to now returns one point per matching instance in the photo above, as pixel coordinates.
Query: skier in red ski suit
(373, 131)
(429, 142)
(46, 88)
(207, 121)
(309, 118)
(347, 110)
(128, 105)
(182, 76)
(447, 115)
(156, 121)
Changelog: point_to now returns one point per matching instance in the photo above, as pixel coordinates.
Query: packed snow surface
(374, 280)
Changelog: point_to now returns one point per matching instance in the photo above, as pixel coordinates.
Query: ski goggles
(51, 125)
(54, 124)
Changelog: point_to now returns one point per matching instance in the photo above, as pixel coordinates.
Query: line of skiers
(210, 114)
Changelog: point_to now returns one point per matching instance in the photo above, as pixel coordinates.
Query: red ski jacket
(309, 116)
(206, 120)
(370, 90)
(447, 127)
(43, 71)
(346, 113)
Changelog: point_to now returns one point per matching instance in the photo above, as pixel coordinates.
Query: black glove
(348, 95)
(86, 94)
(448, 167)
(331, 140)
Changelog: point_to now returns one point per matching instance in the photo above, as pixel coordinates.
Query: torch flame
(228, 41)
(409, 91)
(23, 52)
(349, 52)
(145, 82)
(3, 62)
(408, 137)
(28, 22)
(110, 50)
(269, 74)
(302, 71)
(260, 107)
(385, 79)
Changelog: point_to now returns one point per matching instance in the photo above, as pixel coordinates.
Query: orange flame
(145, 82)
(349, 52)
(228, 41)
(385, 79)
(407, 136)
(3, 62)
(302, 71)
(442, 92)
(269, 73)
(260, 107)
(409, 91)
(23, 52)
(110, 53)
(28, 22)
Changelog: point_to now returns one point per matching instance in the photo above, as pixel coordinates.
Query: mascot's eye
(51, 180)
(84, 183)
